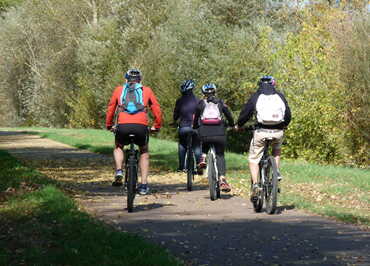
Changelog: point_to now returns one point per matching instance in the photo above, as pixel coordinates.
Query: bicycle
(212, 173)
(131, 170)
(267, 181)
(189, 161)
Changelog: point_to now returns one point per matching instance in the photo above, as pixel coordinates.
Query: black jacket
(250, 108)
(212, 130)
(184, 109)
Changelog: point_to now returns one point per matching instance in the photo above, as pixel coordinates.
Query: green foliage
(63, 59)
(6, 4)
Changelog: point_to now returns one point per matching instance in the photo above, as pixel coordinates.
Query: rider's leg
(144, 164)
(182, 146)
(118, 156)
(276, 153)
(255, 154)
(276, 150)
(197, 147)
(254, 169)
(220, 143)
(204, 148)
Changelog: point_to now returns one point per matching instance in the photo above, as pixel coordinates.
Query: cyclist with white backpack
(273, 116)
(211, 125)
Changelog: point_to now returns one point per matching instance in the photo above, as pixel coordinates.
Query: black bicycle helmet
(267, 79)
(187, 85)
(209, 88)
(133, 75)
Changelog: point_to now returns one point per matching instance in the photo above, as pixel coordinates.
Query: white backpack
(211, 114)
(270, 109)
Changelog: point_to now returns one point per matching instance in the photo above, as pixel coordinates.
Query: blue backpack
(132, 98)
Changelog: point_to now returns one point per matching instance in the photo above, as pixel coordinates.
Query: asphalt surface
(198, 231)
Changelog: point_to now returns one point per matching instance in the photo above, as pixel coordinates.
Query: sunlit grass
(40, 225)
(318, 188)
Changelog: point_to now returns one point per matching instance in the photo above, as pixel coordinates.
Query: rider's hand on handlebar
(112, 128)
(154, 130)
(237, 128)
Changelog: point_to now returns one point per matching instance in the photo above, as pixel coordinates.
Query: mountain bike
(131, 172)
(267, 181)
(189, 161)
(212, 172)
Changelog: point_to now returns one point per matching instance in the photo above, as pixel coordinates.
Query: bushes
(64, 58)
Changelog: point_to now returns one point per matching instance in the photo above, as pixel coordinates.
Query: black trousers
(219, 143)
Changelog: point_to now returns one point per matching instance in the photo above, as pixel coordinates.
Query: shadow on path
(200, 231)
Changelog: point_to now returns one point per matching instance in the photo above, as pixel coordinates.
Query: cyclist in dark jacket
(184, 113)
(264, 129)
(213, 133)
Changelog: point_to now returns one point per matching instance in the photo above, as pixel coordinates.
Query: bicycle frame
(189, 160)
(212, 173)
(263, 162)
(131, 167)
(268, 180)
(212, 152)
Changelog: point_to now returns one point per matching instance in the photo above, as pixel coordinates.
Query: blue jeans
(183, 133)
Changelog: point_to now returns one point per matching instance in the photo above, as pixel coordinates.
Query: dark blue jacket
(185, 108)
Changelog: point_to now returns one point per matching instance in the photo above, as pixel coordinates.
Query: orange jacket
(150, 101)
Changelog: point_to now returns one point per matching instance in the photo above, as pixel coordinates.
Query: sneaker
(255, 192)
(202, 163)
(225, 187)
(143, 189)
(118, 178)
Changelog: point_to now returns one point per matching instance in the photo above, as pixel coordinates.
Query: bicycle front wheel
(189, 169)
(271, 186)
(212, 179)
(131, 183)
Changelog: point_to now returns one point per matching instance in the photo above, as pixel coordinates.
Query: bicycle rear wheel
(131, 183)
(212, 179)
(190, 169)
(271, 186)
(257, 205)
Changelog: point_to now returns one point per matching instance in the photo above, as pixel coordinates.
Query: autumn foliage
(62, 59)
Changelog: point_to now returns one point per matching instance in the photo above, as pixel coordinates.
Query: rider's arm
(197, 113)
(111, 109)
(247, 110)
(156, 109)
(288, 114)
(176, 111)
(227, 113)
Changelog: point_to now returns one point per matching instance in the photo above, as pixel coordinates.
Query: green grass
(40, 225)
(333, 191)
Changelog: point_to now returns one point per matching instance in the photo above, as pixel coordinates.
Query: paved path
(188, 224)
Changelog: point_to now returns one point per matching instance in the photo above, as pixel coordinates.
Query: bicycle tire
(190, 170)
(257, 205)
(131, 183)
(212, 177)
(271, 186)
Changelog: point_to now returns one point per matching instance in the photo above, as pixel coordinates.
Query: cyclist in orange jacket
(131, 103)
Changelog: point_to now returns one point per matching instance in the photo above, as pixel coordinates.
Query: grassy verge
(334, 191)
(40, 225)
